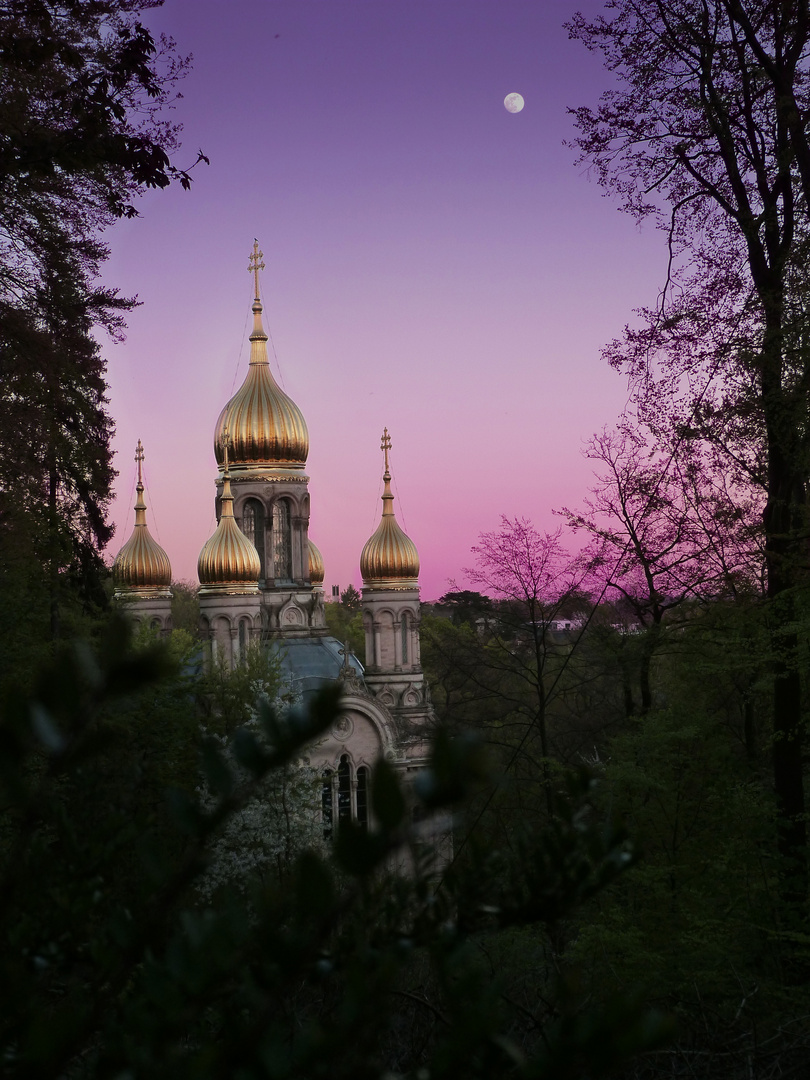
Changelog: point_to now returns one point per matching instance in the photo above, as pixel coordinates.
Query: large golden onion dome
(316, 570)
(141, 567)
(228, 561)
(389, 558)
(267, 429)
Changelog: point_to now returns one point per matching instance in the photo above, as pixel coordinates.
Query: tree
(665, 531)
(346, 624)
(350, 598)
(465, 606)
(321, 975)
(81, 135)
(708, 135)
(185, 606)
(530, 582)
(82, 86)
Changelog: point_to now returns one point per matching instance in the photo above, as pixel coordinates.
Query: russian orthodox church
(261, 581)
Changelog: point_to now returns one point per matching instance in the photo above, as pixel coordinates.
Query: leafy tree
(534, 579)
(350, 598)
(666, 534)
(698, 921)
(185, 606)
(510, 674)
(82, 87)
(465, 606)
(346, 624)
(707, 132)
(82, 134)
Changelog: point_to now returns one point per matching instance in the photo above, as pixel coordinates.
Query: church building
(261, 581)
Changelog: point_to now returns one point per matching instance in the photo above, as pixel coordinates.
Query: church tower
(269, 443)
(389, 566)
(142, 574)
(228, 569)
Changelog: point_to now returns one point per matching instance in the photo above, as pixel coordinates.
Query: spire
(258, 339)
(141, 567)
(227, 495)
(387, 497)
(140, 505)
(389, 558)
(228, 561)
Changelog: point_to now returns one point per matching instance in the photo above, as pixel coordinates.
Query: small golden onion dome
(266, 427)
(389, 558)
(316, 571)
(228, 561)
(141, 567)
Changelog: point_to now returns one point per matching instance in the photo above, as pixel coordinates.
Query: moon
(513, 103)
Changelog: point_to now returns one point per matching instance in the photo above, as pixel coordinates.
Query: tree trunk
(783, 518)
(648, 648)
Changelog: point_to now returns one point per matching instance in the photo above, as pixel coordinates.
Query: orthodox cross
(255, 264)
(345, 652)
(225, 443)
(139, 460)
(385, 446)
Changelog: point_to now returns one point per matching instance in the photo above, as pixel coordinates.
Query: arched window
(244, 639)
(326, 804)
(344, 795)
(344, 788)
(404, 630)
(282, 541)
(253, 527)
(362, 797)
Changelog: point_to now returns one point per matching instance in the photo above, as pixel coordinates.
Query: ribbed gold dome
(389, 557)
(266, 427)
(228, 561)
(141, 567)
(316, 571)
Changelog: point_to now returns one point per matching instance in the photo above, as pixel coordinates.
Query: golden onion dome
(389, 558)
(228, 561)
(316, 571)
(267, 429)
(141, 567)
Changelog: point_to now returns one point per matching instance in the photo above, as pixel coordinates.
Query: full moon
(513, 102)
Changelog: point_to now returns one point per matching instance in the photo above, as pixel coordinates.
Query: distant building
(261, 580)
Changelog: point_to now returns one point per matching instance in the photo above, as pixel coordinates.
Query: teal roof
(308, 663)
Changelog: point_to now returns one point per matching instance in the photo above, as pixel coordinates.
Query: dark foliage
(708, 133)
(351, 969)
(82, 86)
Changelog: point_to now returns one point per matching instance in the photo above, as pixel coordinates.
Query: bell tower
(142, 573)
(389, 566)
(268, 453)
(228, 569)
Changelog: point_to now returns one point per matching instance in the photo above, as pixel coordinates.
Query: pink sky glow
(434, 264)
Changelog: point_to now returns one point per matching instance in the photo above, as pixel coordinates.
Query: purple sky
(435, 265)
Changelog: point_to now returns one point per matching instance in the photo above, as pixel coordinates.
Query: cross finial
(139, 460)
(385, 446)
(225, 442)
(255, 264)
(345, 652)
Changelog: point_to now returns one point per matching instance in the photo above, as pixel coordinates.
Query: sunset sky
(434, 264)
